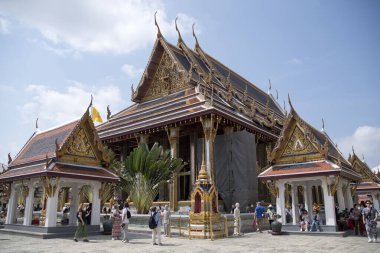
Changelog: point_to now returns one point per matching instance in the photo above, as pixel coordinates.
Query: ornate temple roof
(179, 83)
(302, 151)
(71, 150)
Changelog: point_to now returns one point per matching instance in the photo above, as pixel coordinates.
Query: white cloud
(119, 26)
(4, 26)
(295, 61)
(54, 107)
(131, 71)
(365, 140)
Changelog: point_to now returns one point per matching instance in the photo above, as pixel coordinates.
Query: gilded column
(173, 135)
(210, 128)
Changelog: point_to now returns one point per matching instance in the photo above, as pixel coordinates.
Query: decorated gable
(83, 145)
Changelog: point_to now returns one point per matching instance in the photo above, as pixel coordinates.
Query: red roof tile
(368, 186)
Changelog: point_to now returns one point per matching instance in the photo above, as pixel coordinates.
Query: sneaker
(86, 240)
(75, 240)
(155, 244)
(374, 240)
(113, 239)
(301, 230)
(369, 240)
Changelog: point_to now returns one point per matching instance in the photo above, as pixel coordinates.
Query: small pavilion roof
(368, 186)
(301, 151)
(71, 150)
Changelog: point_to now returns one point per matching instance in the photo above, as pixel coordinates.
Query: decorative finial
(195, 37)
(202, 172)
(37, 124)
(353, 151)
(9, 158)
(158, 28)
(276, 94)
(108, 112)
(89, 106)
(179, 34)
(363, 157)
(270, 87)
(323, 125)
(56, 145)
(290, 102)
(284, 106)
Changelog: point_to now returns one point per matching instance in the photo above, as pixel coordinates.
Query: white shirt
(125, 220)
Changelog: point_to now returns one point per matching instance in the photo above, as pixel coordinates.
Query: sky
(325, 54)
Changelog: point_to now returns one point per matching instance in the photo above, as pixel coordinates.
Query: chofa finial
(179, 34)
(276, 94)
(353, 151)
(89, 106)
(9, 158)
(158, 28)
(323, 125)
(290, 102)
(37, 124)
(108, 112)
(270, 87)
(195, 37)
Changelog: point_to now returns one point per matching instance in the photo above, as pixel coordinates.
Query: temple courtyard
(250, 242)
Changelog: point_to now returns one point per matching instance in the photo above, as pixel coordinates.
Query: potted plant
(276, 225)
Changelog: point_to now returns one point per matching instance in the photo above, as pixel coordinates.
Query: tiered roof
(72, 150)
(181, 84)
(303, 151)
(370, 181)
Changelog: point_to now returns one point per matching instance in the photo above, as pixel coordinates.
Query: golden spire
(158, 28)
(195, 37)
(290, 102)
(202, 172)
(179, 34)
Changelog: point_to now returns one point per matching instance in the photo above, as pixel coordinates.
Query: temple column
(193, 160)
(95, 214)
(173, 135)
(73, 205)
(350, 202)
(329, 203)
(375, 201)
(12, 205)
(306, 197)
(347, 195)
(339, 194)
(51, 209)
(28, 212)
(294, 203)
(280, 200)
(210, 128)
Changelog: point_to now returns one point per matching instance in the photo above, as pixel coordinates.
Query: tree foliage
(144, 170)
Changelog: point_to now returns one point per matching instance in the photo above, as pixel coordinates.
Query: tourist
(304, 221)
(301, 209)
(271, 214)
(125, 221)
(165, 220)
(232, 208)
(356, 217)
(88, 214)
(259, 216)
(316, 219)
(369, 219)
(237, 222)
(65, 215)
(116, 223)
(81, 231)
(288, 214)
(156, 232)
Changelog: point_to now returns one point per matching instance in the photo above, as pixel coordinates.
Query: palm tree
(144, 170)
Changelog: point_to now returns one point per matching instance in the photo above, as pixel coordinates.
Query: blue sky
(54, 54)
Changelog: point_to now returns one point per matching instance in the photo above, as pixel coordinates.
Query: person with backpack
(155, 225)
(369, 219)
(126, 215)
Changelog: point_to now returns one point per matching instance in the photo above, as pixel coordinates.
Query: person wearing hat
(369, 219)
(271, 214)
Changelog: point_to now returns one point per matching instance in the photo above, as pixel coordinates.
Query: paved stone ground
(251, 242)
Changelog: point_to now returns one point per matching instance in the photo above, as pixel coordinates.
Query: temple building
(186, 96)
(53, 168)
(305, 167)
(369, 187)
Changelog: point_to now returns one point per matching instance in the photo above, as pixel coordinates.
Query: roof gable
(167, 72)
(83, 145)
(362, 168)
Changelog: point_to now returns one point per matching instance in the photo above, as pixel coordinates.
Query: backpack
(152, 222)
(128, 214)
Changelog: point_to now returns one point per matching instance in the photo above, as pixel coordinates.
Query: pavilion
(305, 167)
(52, 168)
